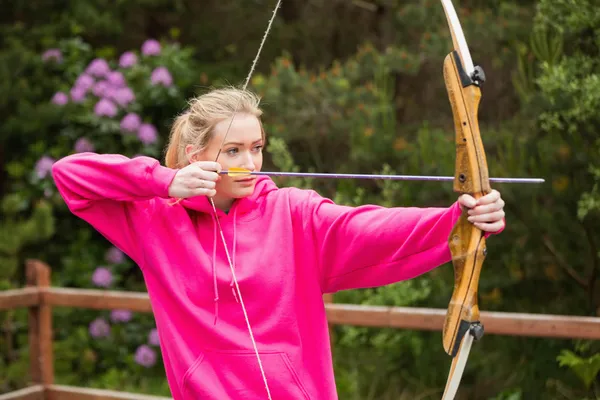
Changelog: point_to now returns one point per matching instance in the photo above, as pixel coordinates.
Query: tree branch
(563, 264)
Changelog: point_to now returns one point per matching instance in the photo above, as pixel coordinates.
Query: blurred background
(349, 87)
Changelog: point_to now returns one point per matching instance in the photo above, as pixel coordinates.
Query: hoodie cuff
(160, 180)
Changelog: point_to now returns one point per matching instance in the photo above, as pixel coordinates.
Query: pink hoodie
(289, 247)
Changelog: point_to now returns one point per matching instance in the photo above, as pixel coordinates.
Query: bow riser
(466, 242)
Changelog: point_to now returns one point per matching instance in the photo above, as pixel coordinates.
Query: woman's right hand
(196, 179)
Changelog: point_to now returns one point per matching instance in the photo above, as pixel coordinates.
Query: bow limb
(466, 242)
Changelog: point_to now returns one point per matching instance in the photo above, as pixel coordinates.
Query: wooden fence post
(328, 299)
(40, 326)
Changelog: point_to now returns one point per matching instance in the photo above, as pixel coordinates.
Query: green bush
(118, 105)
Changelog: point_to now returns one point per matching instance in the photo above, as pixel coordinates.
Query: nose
(248, 162)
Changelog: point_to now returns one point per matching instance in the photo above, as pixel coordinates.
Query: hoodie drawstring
(214, 264)
(231, 285)
(214, 270)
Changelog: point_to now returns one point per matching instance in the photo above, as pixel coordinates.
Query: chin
(242, 192)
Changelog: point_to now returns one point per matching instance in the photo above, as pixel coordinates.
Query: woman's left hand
(486, 213)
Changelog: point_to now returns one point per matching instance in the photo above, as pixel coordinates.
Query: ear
(191, 154)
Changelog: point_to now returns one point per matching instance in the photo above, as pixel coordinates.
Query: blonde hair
(196, 125)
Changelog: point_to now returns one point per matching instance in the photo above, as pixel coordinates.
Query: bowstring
(231, 266)
(252, 67)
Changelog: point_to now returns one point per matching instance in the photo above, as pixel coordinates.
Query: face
(242, 149)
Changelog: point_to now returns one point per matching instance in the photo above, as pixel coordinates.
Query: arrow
(234, 172)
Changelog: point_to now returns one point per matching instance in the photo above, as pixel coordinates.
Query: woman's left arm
(369, 246)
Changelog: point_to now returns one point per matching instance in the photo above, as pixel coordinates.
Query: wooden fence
(39, 297)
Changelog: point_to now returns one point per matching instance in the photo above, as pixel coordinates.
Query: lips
(245, 180)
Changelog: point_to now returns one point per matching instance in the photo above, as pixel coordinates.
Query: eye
(232, 151)
(258, 147)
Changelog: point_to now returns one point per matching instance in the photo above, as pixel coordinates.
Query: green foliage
(18, 232)
(562, 97)
(85, 112)
(590, 201)
(587, 369)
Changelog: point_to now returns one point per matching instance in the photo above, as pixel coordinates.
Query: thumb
(467, 201)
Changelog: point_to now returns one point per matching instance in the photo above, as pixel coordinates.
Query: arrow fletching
(236, 172)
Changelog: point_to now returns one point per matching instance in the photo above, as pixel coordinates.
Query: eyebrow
(241, 144)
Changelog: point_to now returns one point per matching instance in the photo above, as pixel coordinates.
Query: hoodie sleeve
(370, 246)
(106, 190)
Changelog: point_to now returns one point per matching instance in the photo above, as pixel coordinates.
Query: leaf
(585, 368)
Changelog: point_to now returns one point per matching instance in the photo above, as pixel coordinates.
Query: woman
(285, 249)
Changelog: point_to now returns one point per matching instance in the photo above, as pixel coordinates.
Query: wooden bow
(467, 242)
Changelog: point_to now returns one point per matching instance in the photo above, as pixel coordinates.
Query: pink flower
(100, 88)
(151, 47)
(106, 108)
(127, 59)
(145, 356)
(153, 337)
(99, 328)
(120, 315)
(131, 122)
(147, 134)
(102, 277)
(116, 79)
(44, 166)
(60, 98)
(83, 145)
(84, 81)
(98, 67)
(78, 94)
(52, 55)
(123, 96)
(114, 256)
(161, 75)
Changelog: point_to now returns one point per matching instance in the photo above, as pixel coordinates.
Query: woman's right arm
(85, 178)
(109, 191)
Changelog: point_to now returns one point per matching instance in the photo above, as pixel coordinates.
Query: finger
(489, 217)
(490, 227)
(197, 183)
(489, 198)
(206, 184)
(497, 206)
(203, 192)
(467, 201)
(209, 165)
(205, 175)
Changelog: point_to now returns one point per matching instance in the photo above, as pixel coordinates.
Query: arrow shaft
(375, 176)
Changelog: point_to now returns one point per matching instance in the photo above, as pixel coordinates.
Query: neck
(223, 204)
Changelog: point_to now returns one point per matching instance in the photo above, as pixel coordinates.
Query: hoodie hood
(264, 185)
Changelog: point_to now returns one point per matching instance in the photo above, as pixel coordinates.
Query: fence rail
(39, 297)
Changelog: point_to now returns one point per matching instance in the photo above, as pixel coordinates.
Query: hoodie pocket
(221, 375)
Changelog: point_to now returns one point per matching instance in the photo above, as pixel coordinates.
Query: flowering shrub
(108, 104)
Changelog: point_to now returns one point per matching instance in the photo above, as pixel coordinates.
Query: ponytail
(174, 148)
